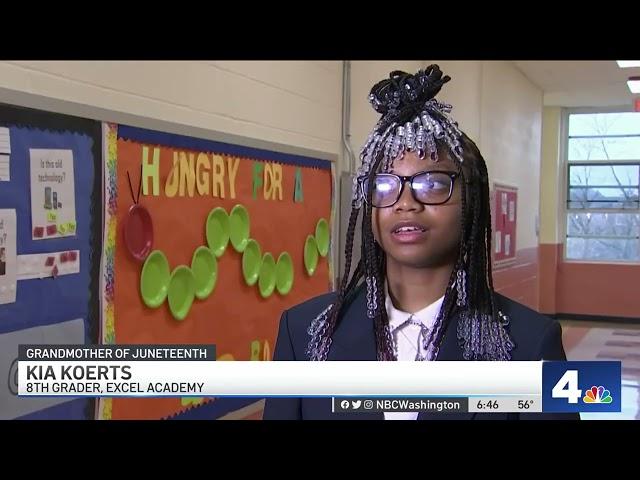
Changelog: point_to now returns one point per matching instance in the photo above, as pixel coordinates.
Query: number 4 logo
(567, 387)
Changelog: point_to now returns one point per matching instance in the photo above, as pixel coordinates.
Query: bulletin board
(51, 233)
(180, 181)
(505, 216)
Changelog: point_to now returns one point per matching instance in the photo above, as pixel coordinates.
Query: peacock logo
(597, 395)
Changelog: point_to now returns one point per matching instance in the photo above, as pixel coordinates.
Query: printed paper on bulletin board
(235, 317)
(505, 204)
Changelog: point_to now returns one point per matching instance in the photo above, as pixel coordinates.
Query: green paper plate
(182, 290)
(154, 279)
(239, 227)
(255, 351)
(251, 260)
(284, 273)
(310, 254)
(322, 237)
(205, 271)
(217, 230)
(267, 277)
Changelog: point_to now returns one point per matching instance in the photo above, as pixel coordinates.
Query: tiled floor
(608, 341)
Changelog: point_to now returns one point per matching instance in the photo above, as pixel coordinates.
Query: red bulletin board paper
(235, 314)
(505, 224)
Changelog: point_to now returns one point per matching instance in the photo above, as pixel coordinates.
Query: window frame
(564, 146)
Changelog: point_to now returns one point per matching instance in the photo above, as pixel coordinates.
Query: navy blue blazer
(536, 337)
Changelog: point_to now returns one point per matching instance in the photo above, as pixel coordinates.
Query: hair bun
(402, 90)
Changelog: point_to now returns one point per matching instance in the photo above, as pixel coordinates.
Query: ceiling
(581, 83)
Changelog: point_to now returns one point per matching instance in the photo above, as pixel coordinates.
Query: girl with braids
(423, 287)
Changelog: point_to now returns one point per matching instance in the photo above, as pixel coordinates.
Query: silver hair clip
(421, 135)
(392, 98)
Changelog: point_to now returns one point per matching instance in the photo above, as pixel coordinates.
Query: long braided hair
(413, 120)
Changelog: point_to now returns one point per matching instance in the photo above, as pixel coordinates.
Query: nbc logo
(597, 395)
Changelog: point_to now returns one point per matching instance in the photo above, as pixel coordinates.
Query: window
(603, 198)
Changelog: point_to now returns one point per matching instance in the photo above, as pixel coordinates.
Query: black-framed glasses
(428, 188)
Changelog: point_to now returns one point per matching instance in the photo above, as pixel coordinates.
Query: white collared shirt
(408, 339)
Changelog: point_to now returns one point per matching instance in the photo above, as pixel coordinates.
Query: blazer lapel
(449, 351)
(354, 340)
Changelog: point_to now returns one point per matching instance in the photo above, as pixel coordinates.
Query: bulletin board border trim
(107, 279)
